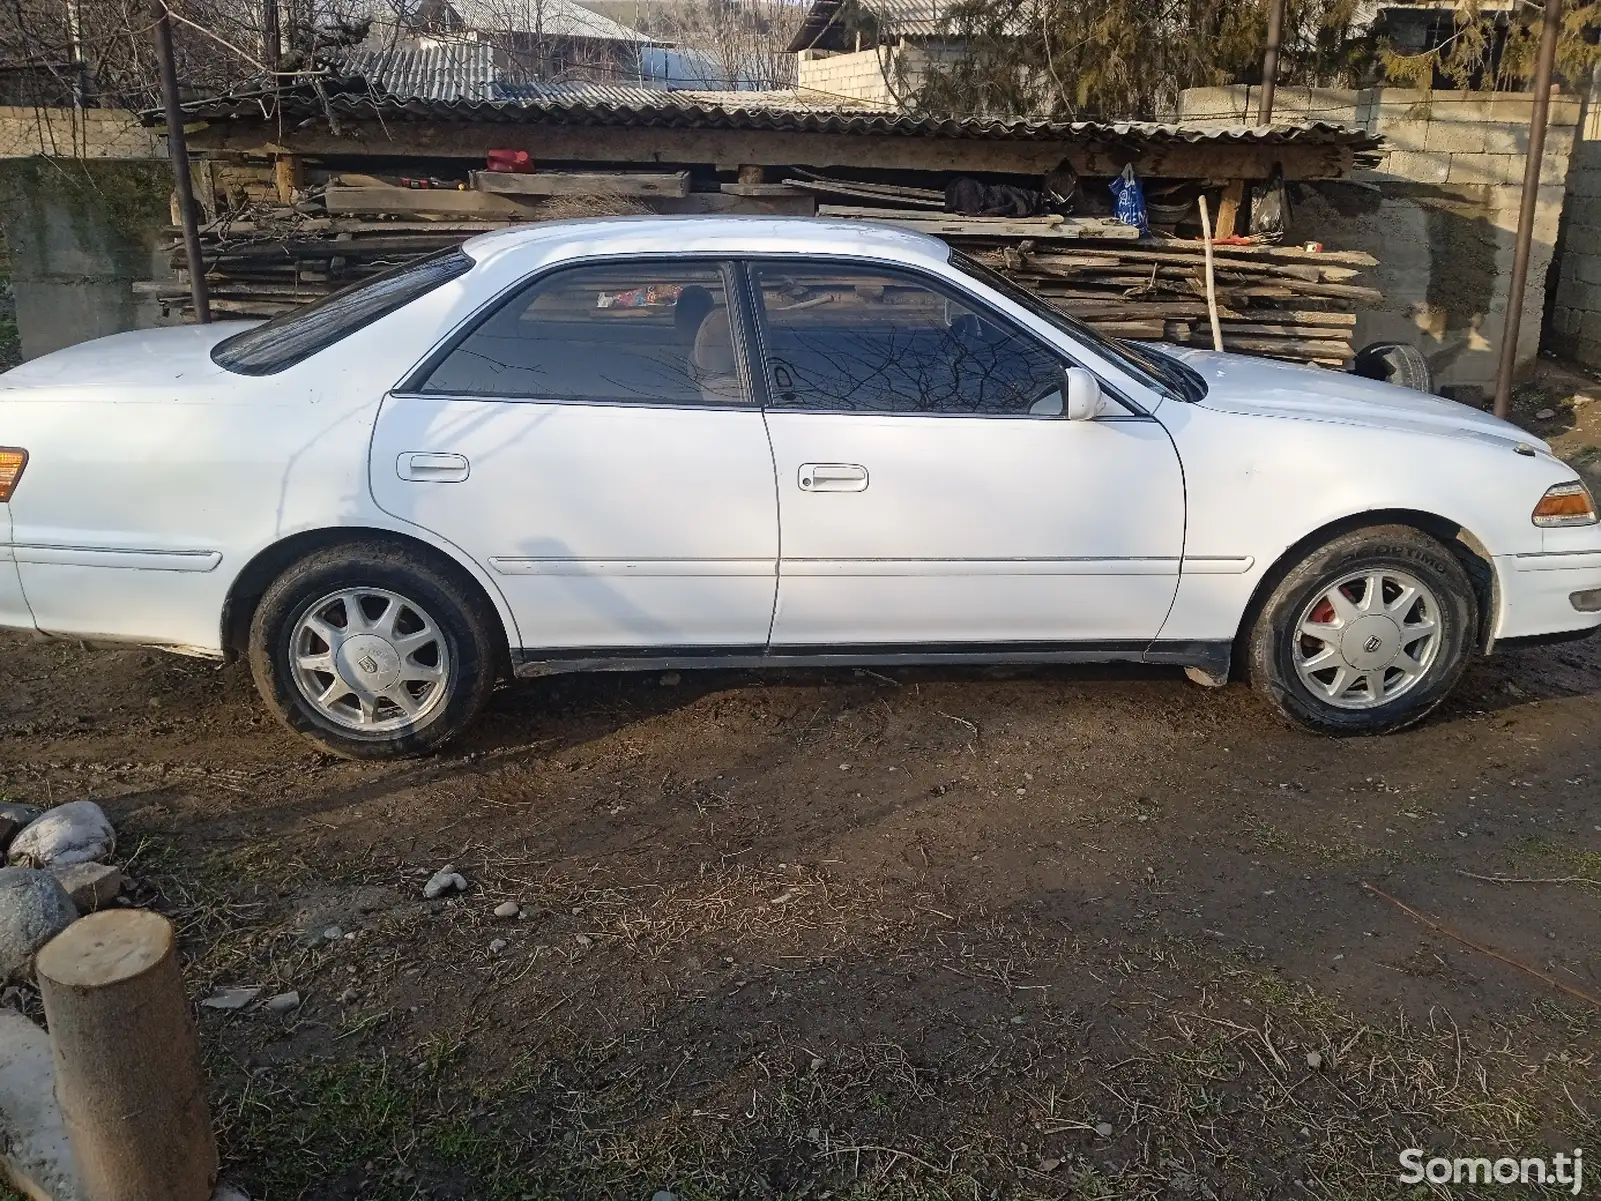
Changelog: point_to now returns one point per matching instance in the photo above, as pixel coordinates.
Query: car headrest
(714, 345)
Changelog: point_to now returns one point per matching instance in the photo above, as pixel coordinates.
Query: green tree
(1496, 50)
(1122, 59)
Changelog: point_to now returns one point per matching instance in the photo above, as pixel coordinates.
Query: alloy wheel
(1368, 638)
(370, 660)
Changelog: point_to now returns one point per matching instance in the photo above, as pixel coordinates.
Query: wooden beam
(289, 175)
(583, 183)
(426, 200)
(1228, 208)
(723, 202)
(682, 147)
(947, 225)
(419, 201)
(760, 190)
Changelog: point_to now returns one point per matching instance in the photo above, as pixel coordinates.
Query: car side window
(644, 332)
(864, 339)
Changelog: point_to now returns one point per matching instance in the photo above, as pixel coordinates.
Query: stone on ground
(77, 832)
(446, 879)
(13, 818)
(34, 908)
(90, 885)
(236, 997)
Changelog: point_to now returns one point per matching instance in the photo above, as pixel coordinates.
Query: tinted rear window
(291, 337)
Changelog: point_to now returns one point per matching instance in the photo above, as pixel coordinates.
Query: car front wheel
(372, 652)
(1367, 634)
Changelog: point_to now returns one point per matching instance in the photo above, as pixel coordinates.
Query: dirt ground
(921, 934)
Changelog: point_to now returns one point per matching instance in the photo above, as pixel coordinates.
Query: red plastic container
(516, 162)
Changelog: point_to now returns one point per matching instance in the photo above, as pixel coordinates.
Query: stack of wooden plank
(275, 260)
(1285, 302)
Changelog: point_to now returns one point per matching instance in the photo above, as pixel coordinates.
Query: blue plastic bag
(1130, 208)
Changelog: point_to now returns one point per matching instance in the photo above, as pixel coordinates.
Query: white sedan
(669, 443)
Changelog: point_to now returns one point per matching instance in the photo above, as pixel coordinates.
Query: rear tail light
(1565, 504)
(12, 461)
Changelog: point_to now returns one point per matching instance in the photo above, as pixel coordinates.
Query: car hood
(1243, 384)
(138, 358)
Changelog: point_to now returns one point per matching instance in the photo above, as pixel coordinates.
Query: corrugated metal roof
(447, 71)
(631, 105)
(831, 24)
(444, 69)
(548, 18)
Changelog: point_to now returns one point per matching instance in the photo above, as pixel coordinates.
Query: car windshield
(296, 335)
(1151, 367)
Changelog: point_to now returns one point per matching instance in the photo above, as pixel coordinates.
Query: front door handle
(432, 467)
(832, 477)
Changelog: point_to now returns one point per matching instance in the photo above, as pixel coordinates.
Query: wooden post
(1211, 276)
(127, 1063)
(1270, 60)
(1508, 360)
(289, 174)
(178, 151)
(1228, 209)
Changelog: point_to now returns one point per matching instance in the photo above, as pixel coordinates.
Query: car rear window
(291, 337)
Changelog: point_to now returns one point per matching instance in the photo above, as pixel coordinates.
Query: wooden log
(127, 1063)
(583, 183)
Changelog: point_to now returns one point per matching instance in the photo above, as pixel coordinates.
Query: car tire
(415, 673)
(1395, 363)
(1331, 656)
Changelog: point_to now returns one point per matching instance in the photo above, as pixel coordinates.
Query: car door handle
(832, 477)
(433, 467)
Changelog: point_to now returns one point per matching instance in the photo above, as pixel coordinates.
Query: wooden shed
(311, 186)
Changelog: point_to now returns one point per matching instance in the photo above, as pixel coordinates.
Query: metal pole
(179, 151)
(1270, 60)
(1531, 197)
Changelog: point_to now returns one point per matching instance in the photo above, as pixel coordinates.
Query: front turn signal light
(12, 461)
(1565, 504)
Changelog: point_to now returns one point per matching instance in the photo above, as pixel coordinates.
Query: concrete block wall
(867, 75)
(857, 76)
(78, 234)
(1439, 212)
(75, 133)
(1575, 329)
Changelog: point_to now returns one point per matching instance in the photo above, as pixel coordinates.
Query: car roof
(556, 240)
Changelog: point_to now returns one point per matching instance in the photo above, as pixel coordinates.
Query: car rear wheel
(1367, 634)
(371, 652)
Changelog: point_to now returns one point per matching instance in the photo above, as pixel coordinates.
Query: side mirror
(1084, 397)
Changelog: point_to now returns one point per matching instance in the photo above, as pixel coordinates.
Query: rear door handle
(433, 467)
(832, 477)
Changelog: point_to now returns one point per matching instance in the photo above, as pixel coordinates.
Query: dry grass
(1198, 1063)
